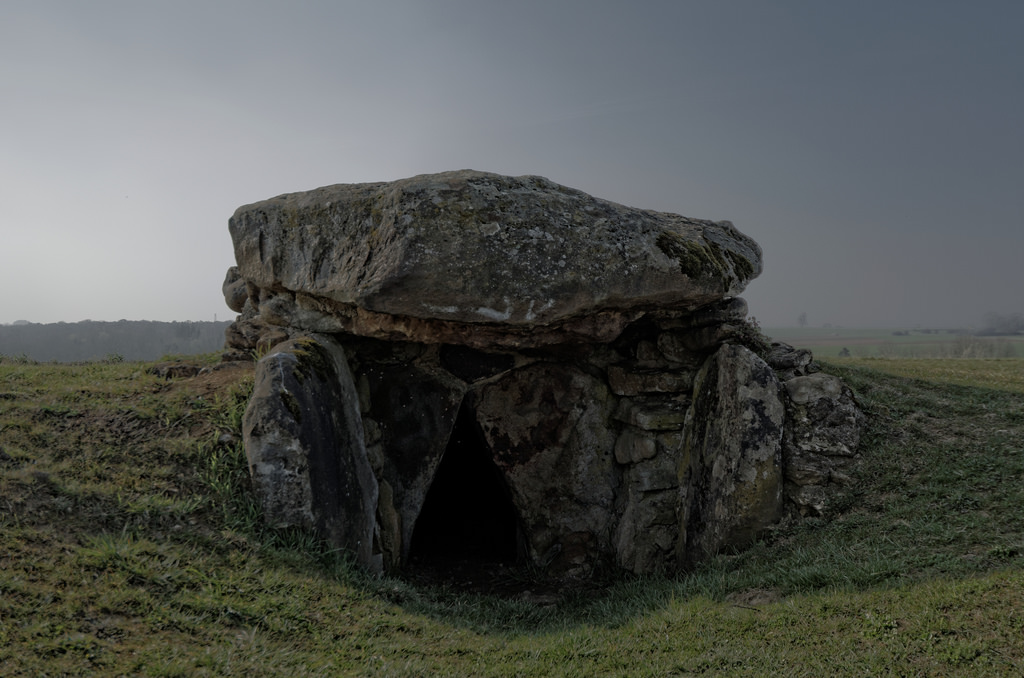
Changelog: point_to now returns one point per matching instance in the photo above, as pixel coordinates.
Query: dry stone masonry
(469, 365)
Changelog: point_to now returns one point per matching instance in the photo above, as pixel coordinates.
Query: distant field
(1003, 374)
(829, 342)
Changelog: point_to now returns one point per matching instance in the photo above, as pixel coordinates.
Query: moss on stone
(704, 258)
(696, 259)
(313, 362)
(291, 403)
(740, 265)
(312, 358)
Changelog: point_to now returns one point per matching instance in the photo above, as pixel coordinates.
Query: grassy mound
(130, 545)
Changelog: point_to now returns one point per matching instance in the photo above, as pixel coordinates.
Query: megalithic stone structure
(516, 369)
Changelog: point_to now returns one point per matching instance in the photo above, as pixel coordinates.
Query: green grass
(994, 373)
(130, 545)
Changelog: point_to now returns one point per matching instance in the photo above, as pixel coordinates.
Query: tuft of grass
(130, 544)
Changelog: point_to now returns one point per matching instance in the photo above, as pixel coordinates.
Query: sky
(874, 149)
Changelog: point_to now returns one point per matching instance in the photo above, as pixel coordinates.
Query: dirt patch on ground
(222, 376)
(203, 380)
(753, 598)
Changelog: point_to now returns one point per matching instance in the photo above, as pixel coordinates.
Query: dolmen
(467, 365)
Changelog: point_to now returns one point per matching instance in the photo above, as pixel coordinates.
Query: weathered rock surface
(647, 531)
(447, 257)
(547, 427)
(789, 362)
(731, 469)
(459, 353)
(822, 437)
(235, 290)
(412, 409)
(303, 438)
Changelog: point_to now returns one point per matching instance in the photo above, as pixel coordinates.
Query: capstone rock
(451, 256)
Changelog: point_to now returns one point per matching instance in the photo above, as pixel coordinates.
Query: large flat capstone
(443, 257)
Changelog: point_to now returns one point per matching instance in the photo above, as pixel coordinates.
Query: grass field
(130, 545)
(993, 373)
(830, 342)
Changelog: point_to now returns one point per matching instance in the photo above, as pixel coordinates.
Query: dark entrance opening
(468, 513)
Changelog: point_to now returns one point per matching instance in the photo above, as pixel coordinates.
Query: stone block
(626, 380)
(653, 415)
(823, 416)
(650, 475)
(479, 259)
(632, 446)
(371, 431)
(648, 355)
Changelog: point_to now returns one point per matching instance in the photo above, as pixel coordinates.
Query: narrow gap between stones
(468, 525)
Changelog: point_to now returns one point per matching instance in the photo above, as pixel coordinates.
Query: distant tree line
(998, 324)
(124, 339)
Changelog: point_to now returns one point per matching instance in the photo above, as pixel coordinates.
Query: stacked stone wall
(641, 454)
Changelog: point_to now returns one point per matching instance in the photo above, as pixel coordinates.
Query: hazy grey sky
(875, 150)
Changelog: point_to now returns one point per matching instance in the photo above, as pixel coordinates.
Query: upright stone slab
(731, 471)
(420, 407)
(548, 428)
(303, 437)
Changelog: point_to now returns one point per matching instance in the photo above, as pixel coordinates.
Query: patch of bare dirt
(753, 598)
(221, 377)
(204, 381)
